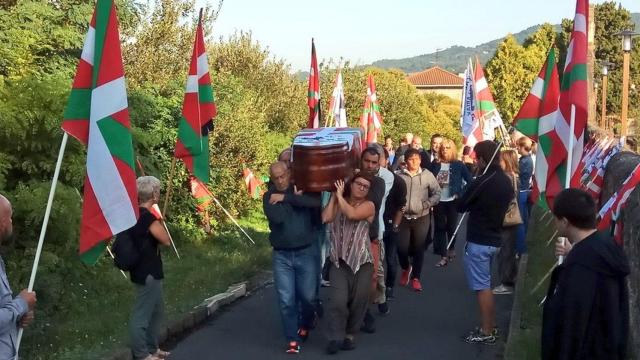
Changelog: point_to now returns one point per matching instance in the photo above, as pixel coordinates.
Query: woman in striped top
(349, 214)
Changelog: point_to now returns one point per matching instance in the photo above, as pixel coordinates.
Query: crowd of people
(372, 232)
(352, 240)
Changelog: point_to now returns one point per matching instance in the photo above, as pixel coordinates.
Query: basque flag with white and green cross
(97, 115)
(198, 111)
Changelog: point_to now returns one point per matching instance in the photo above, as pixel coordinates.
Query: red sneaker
(415, 285)
(293, 348)
(404, 278)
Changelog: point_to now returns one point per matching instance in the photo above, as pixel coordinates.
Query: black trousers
(411, 243)
(391, 255)
(507, 262)
(446, 220)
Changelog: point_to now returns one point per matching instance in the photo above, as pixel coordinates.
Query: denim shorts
(477, 265)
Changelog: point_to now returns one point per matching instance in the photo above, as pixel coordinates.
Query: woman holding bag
(507, 262)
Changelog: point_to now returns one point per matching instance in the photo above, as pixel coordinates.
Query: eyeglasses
(361, 185)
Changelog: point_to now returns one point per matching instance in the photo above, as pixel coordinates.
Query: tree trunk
(618, 169)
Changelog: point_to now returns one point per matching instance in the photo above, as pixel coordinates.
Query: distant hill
(455, 58)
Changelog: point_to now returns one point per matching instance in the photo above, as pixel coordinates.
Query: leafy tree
(159, 49)
(507, 77)
(402, 108)
(39, 37)
(611, 18)
(281, 96)
(513, 68)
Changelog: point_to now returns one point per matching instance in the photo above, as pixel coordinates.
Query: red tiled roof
(435, 76)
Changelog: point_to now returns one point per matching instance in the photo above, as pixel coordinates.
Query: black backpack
(126, 253)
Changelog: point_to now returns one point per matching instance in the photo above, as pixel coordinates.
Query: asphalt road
(426, 325)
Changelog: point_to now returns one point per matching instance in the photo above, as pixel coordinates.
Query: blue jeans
(521, 236)
(295, 276)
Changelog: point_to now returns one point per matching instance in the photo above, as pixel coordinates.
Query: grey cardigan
(423, 192)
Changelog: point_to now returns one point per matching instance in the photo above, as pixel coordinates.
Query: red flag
(97, 115)
(253, 184)
(610, 211)
(573, 101)
(199, 191)
(313, 99)
(198, 111)
(155, 210)
(371, 120)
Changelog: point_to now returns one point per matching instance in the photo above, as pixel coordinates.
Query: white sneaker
(502, 290)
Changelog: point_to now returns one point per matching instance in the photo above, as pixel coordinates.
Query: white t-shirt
(443, 180)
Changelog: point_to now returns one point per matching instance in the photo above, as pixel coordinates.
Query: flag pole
(113, 257)
(234, 220)
(170, 238)
(465, 214)
(567, 183)
(167, 196)
(45, 223)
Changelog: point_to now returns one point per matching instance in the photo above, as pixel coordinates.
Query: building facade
(439, 81)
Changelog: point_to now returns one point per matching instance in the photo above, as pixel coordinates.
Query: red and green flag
(253, 184)
(201, 193)
(198, 111)
(536, 120)
(97, 115)
(571, 122)
(486, 109)
(371, 120)
(313, 97)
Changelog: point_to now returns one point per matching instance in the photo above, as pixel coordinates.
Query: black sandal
(443, 262)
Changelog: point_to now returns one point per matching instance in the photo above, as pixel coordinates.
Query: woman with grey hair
(147, 274)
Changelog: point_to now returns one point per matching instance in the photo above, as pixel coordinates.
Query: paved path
(427, 325)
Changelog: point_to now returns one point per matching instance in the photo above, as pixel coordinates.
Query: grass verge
(525, 343)
(91, 320)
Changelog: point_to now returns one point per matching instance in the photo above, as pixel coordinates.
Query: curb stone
(516, 310)
(207, 309)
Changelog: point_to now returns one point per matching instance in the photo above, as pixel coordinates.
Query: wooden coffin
(322, 156)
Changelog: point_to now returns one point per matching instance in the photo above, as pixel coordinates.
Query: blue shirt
(11, 311)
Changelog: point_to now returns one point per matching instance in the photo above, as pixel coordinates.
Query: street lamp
(605, 74)
(626, 49)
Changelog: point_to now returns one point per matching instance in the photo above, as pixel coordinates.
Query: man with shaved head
(14, 312)
(295, 260)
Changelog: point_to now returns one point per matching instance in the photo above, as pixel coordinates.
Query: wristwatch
(396, 228)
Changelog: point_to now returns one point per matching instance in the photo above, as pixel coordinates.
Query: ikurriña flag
(313, 95)
(198, 111)
(573, 103)
(371, 120)
(485, 106)
(97, 115)
(536, 120)
(201, 193)
(611, 210)
(253, 184)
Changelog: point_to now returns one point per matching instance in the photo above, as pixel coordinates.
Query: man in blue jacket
(293, 234)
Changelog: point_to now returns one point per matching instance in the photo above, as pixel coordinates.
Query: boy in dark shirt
(586, 313)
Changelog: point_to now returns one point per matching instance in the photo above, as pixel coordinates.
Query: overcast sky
(365, 31)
